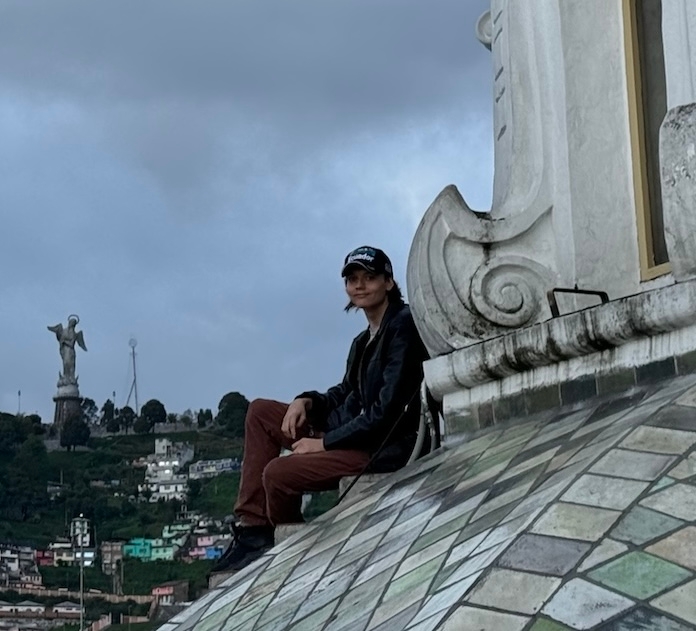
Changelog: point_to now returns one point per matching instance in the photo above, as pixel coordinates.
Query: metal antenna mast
(134, 386)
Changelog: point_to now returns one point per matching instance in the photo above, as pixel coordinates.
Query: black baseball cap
(372, 259)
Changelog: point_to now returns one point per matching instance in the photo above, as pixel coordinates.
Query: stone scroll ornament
(67, 337)
(476, 275)
(471, 277)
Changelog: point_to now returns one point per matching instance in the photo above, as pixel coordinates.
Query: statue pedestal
(67, 404)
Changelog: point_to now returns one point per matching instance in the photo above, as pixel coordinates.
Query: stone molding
(475, 275)
(482, 282)
(678, 175)
(579, 334)
(563, 191)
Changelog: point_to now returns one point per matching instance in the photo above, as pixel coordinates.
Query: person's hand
(308, 446)
(295, 417)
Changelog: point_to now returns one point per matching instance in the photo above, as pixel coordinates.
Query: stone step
(216, 578)
(285, 531)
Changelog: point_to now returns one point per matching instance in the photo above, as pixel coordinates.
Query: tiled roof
(578, 518)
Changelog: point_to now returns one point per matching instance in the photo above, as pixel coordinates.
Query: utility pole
(19, 402)
(79, 530)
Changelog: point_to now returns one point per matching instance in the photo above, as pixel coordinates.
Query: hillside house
(138, 548)
(171, 593)
(212, 468)
(111, 556)
(28, 607)
(66, 609)
(44, 558)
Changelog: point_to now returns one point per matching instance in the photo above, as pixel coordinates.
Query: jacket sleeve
(323, 403)
(402, 375)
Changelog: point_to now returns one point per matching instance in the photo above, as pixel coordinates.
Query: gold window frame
(636, 115)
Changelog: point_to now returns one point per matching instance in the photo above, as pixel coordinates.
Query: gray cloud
(193, 173)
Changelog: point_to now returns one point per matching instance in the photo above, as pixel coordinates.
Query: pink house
(171, 592)
(203, 541)
(197, 553)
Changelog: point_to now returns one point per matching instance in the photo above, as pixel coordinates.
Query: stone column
(67, 402)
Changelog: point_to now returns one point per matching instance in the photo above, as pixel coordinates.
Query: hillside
(29, 515)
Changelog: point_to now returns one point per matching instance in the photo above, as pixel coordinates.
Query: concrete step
(285, 531)
(217, 578)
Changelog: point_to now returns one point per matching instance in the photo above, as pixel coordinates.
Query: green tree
(172, 417)
(25, 494)
(113, 426)
(194, 488)
(141, 426)
(232, 412)
(37, 426)
(204, 417)
(108, 412)
(126, 417)
(153, 412)
(90, 411)
(74, 432)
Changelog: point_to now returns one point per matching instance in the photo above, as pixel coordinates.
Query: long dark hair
(394, 296)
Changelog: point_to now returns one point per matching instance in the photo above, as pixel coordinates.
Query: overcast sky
(192, 174)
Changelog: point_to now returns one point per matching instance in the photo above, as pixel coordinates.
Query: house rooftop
(573, 518)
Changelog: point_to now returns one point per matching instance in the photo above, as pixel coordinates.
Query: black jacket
(382, 378)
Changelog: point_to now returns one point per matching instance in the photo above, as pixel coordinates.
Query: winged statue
(67, 336)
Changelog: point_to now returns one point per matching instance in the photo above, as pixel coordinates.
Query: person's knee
(274, 474)
(283, 474)
(256, 410)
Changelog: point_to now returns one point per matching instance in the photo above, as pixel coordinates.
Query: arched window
(647, 91)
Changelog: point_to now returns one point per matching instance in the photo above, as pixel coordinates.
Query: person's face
(367, 290)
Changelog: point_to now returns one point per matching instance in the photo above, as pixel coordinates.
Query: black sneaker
(249, 543)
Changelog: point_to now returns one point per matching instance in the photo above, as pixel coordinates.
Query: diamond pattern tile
(679, 548)
(635, 465)
(677, 500)
(575, 522)
(547, 555)
(641, 525)
(582, 605)
(659, 440)
(603, 491)
(579, 518)
(644, 619)
(483, 620)
(639, 575)
(606, 550)
(519, 592)
(680, 602)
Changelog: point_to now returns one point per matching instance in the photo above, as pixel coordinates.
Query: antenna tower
(134, 386)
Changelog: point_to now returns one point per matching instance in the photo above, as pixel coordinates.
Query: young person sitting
(339, 432)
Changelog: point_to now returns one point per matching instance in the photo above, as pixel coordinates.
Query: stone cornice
(577, 334)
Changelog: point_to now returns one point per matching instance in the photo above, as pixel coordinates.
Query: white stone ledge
(624, 333)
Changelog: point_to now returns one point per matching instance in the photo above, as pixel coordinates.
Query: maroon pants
(271, 487)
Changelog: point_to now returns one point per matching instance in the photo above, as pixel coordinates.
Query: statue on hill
(67, 336)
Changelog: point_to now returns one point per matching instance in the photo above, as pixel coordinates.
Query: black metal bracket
(551, 296)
